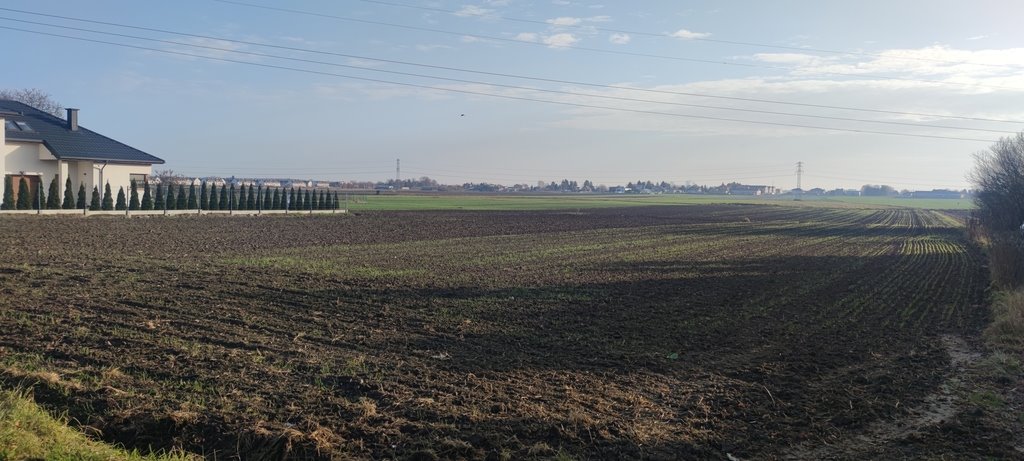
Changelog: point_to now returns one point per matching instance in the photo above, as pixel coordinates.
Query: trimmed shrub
(193, 200)
(122, 202)
(147, 198)
(53, 196)
(225, 197)
(8, 203)
(80, 203)
(169, 202)
(94, 201)
(204, 199)
(214, 203)
(133, 202)
(69, 196)
(250, 199)
(180, 199)
(161, 201)
(24, 195)
(108, 199)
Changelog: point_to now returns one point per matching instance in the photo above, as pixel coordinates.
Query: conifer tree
(291, 199)
(317, 198)
(122, 202)
(336, 203)
(193, 200)
(147, 198)
(250, 200)
(24, 196)
(268, 204)
(53, 196)
(80, 202)
(308, 203)
(169, 202)
(160, 203)
(328, 201)
(133, 196)
(69, 196)
(204, 200)
(240, 203)
(299, 202)
(94, 202)
(214, 203)
(275, 200)
(8, 203)
(232, 199)
(181, 200)
(108, 199)
(225, 199)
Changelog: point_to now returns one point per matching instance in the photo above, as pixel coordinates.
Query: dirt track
(656, 333)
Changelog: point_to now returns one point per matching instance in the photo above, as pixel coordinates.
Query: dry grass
(1006, 331)
(28, 432)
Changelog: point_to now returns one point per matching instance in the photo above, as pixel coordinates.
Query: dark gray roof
(53, 132)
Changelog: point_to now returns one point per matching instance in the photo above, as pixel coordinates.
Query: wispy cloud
(528, 37)
(689, 34)
(565, 21)
(560, 40)
(619, 39)
(473, 10)
(977, 37)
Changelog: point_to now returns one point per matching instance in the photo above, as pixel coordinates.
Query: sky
(516, 91)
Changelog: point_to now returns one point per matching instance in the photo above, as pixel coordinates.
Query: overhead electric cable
(668, 35)
(500, 85)
(481, 93)
(600, 50)
(500, 74)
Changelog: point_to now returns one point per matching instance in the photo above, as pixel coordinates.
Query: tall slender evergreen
(147, 198)
(133, 195)
(214, 201)
(53, 196)
(24, 195)
(240, 203)
(232, 199)
(108, 198)
(69, 196)
(268, 203)
(328, 201)
(225, 198)
(8, 203)
(160, 203)
(193, 199)
(181, 200)
(169, 202)
(122, 202)
(250, 201)
(308, 203)
(204, 200)
(94, 201)
(39, 200)
(82, 199)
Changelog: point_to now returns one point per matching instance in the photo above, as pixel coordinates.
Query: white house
(38, 146)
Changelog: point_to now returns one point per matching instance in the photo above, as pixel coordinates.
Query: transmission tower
(398, 170)
(799, 177)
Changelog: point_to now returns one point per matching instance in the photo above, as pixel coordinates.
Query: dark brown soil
(695, 332)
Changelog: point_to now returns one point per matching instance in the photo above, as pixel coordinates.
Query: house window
(16, 125)
(10, 126)
(23, 126)
(139, 179)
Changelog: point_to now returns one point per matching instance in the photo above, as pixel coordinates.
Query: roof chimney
(72, 119)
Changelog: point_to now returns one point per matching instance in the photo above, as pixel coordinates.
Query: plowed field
(652, 332)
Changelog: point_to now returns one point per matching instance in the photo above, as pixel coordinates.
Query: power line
(696, 39)
(600, 50)
(480, 93)
(500, 85)
(457, 69)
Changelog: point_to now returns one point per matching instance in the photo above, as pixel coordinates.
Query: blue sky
(919, 59)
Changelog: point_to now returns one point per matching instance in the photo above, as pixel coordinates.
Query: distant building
(746, 189)
(937, 193)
